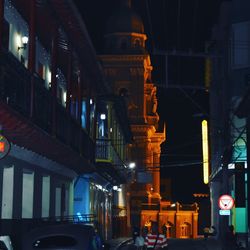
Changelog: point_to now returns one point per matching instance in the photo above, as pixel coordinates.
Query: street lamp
(132, 165)
(24, 40)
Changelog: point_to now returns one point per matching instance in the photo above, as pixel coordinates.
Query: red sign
(226, 202)
(4, 146)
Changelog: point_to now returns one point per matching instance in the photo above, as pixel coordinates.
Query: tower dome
(124, 31)
(125, 19)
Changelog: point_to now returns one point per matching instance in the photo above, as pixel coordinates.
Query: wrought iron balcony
(15, 91)
(105, 152)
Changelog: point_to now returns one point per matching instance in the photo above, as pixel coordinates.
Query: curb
(122, 243)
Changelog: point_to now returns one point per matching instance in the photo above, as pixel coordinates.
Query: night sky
(181, 25)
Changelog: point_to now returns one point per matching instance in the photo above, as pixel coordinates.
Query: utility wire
(194, 22)
(150, 25)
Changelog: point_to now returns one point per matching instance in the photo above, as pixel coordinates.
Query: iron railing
(15, 90)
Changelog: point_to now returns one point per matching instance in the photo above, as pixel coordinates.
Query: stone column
(194, 224)
(156, 174)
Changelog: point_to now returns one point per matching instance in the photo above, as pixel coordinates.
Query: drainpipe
(32, 54)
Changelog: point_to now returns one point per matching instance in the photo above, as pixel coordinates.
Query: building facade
(50, 86)
(228, 116)
(128, 69)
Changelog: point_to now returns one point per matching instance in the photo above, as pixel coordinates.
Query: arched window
(137, 43)
(123, 92)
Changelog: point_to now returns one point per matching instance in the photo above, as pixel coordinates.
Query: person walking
(139, 241)
(154, 240)
(230, 239)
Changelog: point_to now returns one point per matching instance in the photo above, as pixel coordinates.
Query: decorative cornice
(140, 59)
(133, 34)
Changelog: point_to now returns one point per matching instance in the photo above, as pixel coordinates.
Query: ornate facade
(128, 68)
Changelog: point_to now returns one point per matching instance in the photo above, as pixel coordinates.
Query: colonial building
(50, 89)
(128, 68)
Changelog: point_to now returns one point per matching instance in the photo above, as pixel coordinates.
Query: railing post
(69, 82)
(54, 78)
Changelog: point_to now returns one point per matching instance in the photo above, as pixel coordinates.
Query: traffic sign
(226, 202)
(224, 212)
(4, 146)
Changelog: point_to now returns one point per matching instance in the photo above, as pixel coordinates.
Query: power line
(150, 25)
(194, 22)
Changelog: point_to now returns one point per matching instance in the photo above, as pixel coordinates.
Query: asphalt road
(187, 244)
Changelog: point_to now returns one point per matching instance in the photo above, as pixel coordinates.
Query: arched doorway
(169, 227)
(185, 230)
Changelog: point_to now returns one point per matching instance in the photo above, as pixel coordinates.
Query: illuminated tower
(128, 69)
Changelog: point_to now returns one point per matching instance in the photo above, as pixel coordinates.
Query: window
(28, 193)
(41, 70)
(240, 55)
(137, 43)
(84, 114)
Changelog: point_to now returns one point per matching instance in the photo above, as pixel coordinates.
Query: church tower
(127, 68)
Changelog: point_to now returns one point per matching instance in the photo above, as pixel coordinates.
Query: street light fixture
(132, 165)
(25, 40)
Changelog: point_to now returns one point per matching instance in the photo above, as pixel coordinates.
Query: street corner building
(59, 120)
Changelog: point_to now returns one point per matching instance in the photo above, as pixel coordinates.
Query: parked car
(63, 236)
(5, 242)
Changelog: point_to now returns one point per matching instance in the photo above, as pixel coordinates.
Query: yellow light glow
(205, 152)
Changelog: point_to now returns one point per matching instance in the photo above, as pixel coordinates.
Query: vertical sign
(205, 151)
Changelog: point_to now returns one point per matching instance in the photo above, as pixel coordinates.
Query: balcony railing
(15, 90)
(105, 151)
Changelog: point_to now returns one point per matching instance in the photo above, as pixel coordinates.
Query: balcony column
(1, 22)
(79, 108)
(88, 111)
(69, 82)
(54, 59)
(79, 96)
(32, 53)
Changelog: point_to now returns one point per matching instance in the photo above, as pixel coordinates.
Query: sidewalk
(115, 243)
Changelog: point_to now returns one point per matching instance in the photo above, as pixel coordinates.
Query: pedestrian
(230, 239)
(139, 240)
(136, 231)
(155, 240)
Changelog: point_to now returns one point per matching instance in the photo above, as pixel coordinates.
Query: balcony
(69, 142)
(105, 152)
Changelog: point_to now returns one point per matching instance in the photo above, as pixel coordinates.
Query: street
(187, 244)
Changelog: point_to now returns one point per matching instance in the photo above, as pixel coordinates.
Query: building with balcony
(50, 82)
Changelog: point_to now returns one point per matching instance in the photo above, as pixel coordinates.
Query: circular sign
(4, 146)
(226, 202)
